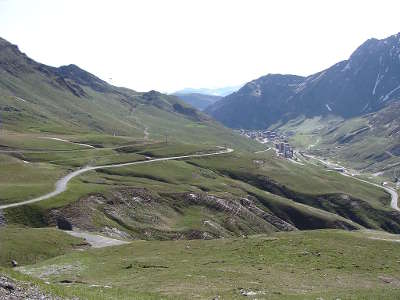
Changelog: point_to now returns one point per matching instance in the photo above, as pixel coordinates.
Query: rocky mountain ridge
(367, 82)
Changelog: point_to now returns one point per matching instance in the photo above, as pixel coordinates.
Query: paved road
(263, 150)
(61, 185)
(393, 193)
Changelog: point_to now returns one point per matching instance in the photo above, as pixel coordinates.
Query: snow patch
(328, 107)
(378, 80)
(387, 96)
(365, 107)
(347, 67)
(301, 87)
(318, 77)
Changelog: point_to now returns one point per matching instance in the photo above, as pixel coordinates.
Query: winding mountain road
(61, 185)
(393, 193)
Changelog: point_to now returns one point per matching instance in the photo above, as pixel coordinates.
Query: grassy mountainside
(202, 197)
(311, 185)
(171, 199)
(298, 265)
(31, 245)
(68, 100)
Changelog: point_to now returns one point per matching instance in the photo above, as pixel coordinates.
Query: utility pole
(166, 138)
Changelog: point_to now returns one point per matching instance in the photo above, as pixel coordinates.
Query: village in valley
(280, 142)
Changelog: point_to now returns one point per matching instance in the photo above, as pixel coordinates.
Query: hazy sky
(172, 44)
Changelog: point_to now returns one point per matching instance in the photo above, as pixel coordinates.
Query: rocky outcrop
(10, 289)
(141, 214)
(244, 208)
(63, 224)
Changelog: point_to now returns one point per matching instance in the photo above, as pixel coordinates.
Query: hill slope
(311, 265)
(68, 100)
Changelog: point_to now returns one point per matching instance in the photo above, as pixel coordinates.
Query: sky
(168, 45)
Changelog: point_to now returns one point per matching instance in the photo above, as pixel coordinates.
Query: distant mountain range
(199, 101)
(222, 92)
(367, 82)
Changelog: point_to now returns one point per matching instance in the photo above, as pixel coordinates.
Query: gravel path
(96, 240)
(66, 141)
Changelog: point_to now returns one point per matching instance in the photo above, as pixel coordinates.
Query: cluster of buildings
(264, 136)
(284, 149)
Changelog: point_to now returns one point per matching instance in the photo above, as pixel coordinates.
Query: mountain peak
(83, 77)
(72, 68)
(12, 60)
(4, 42)
(6, 46)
